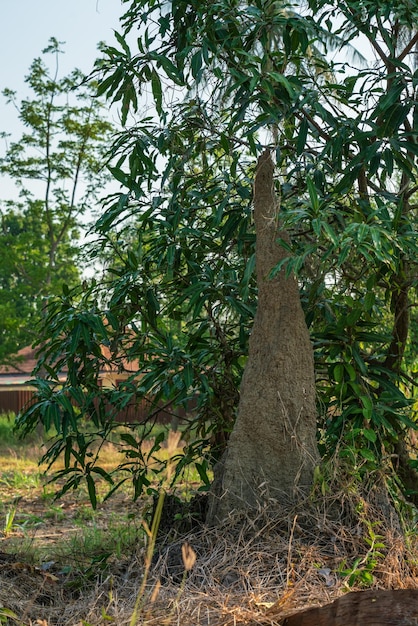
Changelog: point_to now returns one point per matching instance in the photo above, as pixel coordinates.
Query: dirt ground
(252, 572)
(61, 564)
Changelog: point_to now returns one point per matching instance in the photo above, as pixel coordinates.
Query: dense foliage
(58, 169)
(227, 79)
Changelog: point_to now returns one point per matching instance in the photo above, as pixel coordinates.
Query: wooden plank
(364, 608)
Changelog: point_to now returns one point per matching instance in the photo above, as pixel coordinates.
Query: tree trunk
(272, 450)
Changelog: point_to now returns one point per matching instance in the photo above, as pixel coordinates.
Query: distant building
(16, 392)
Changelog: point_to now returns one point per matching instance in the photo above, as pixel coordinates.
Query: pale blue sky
(27, 25)
(25, 29)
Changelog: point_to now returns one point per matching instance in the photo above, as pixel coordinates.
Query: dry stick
(148, 558)
(289, 550)
(32, 601)
(189, 559)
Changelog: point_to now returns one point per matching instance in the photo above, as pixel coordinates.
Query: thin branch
(381, 54)
(408, 47)
(311, 120)
(81, 155)
(48, 140)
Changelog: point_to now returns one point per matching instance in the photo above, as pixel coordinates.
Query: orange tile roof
(26, 361)
(24, 364)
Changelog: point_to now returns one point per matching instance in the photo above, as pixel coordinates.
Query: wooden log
(364, 608)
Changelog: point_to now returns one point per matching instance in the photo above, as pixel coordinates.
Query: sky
(25, 29)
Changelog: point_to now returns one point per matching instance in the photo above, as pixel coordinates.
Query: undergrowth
(126, 562)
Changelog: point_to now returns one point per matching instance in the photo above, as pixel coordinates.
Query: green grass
(118, 537)
(80, 541)
(9, 436)
(21, 480)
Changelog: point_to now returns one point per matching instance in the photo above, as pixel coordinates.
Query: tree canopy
(226, 81)
(57, 166)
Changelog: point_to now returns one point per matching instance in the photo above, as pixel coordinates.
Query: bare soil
(62, 565)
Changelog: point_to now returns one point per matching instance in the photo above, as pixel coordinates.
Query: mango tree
(334, 237)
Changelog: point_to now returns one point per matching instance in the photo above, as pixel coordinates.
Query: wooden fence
(14, 399)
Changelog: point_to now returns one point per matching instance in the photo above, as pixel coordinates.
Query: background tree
(366, 183)
(344, 141)
(58, 168)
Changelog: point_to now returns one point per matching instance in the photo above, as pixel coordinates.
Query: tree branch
(408, 47)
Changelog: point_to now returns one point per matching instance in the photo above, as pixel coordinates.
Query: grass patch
(10, 437)
(63, 564)
(68, 531)
(19, 480)
(96, 545)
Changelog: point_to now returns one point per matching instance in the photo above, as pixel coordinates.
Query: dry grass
(249, 572)
(253, 571)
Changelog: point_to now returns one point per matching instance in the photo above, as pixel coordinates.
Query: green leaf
(313, 195)
(202, 469)
(249, 270)
(152, 305)
(350, 371)
(345, 251)
(393, 119)
(370, 435)
(110, 84)
(317, 225)
(367, 406)
(388, 158)
(359, 359)
(338, 372)
(168, 66)
(157, 443)
(8, 613)
(302, 136)
(91, 486)
(119, 175)
(196, 65)
(367, 454)
(122, 41)
(330, 232)
(369, 300)
(130, 440)
(157, 91)
(282, 80)
(390, 97)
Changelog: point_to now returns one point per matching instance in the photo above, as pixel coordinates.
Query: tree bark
(272, 450)
(363, 608)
